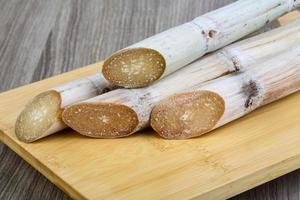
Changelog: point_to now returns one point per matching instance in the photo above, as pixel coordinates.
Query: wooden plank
(23, 37)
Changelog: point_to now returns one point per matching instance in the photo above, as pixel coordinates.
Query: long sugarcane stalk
(42, 115)
(213, 104)
(122, 112)
(143, 63)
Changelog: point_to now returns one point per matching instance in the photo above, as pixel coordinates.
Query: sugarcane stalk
(122, 112)
(42, 115)
(218, 102)
(145, 62)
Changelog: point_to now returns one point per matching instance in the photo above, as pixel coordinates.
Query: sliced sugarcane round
(187, 115)
(40, 117)
(135, 67)
(101, 120)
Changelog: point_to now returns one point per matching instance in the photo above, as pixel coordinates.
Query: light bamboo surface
(230, 160)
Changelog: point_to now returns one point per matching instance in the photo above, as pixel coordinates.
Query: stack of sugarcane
(166, 83)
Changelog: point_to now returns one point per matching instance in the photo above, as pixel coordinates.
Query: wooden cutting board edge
(39, 166)
(253, 180)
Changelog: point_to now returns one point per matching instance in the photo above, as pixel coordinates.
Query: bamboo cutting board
(237, 157)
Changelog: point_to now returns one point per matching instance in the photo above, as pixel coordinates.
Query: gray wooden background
(42, 38)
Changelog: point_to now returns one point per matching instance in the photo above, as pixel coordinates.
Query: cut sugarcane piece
(42, 115)
(215, 103)
(122, 112)
(143, 63)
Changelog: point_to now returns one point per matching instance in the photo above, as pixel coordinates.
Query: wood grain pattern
(39, 39)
